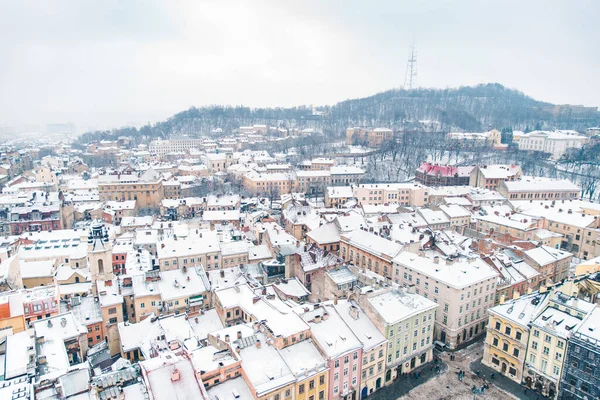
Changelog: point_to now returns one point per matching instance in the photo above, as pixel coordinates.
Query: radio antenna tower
(410, 76)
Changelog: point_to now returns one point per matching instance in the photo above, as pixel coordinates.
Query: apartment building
(508, 330)
(520, 226)
(464, 289)
(576, 221)
(367, 250)
(375, 346)
(269, 183)
(552, 264)
(179, 144)
(146, 189)
(536, 188)
(342, 350)
(490, 176)
(201, 248)
(312, 181)
(547, 348)
(580, 380)
(457, 215)
(405, 194)
(407, 320)
(167, 292)
(336, 197)
(344, 175)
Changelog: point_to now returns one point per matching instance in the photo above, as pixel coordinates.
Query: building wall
(542, 341)
(580, 379)
(318, 382)
(363, 259)
(373, 369)
(338, 380)
(462, 315)
(147, 195)
(380, 194)
(505, 347)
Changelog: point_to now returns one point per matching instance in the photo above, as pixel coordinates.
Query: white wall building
(555, 143)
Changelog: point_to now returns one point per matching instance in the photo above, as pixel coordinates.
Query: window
(536, 333)
(518, 335)
(507, 330)
(112, 321)
(301, 388)
(142, 305)
(495, 342)
(345, 371)
(336, 376)
(505, 347)
(546, 350)
(322, 380)
(346, 360)
(337, 363)
(534, 345)
(498, 325)
(544, 364)
(532, 358)
(436, 290)
(516, 352)
(560, 344)
(558, 356)
(548, 338)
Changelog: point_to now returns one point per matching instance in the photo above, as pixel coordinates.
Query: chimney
(335, 299)
(516, 295)
(239, 334)
(449, 261)
(411, 289)
(108, 283)
(325, 316)
(543, 289)
(354, 313)
(529, 290)
(175, 376)
(255, 299)
(258, 344)
(227, 338)
(317, 319)
(502, 298)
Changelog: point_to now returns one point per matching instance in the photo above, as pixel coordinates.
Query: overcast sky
(109, 63)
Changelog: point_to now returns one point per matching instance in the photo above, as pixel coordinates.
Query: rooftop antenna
(410, 76)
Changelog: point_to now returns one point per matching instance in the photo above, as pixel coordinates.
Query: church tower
(99, 254)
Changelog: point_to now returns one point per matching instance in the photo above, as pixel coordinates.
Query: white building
(464, 289)
(556, 143)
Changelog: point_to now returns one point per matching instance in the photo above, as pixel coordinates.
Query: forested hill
(466, 108)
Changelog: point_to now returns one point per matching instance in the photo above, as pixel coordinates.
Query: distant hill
(468, 108)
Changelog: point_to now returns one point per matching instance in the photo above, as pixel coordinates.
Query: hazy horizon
(126, 63)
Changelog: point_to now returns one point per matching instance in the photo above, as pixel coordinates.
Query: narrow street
(446, 385)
